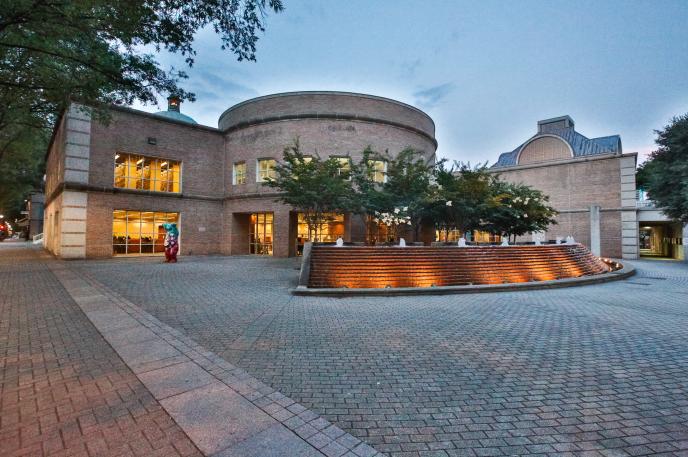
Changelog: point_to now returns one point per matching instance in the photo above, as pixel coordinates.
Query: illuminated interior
(147, 173)
(453, 236)
(378, 170)
(265, 169)
(140, 232)
(260, 233)
(344, 165)
(328, 230)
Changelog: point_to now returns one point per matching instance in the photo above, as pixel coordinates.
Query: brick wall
(573, 186)
(327, 103)
(324, 137)
(200, 221)
(214, 213)
(198, 148)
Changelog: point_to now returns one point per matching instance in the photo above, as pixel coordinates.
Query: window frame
(374, 171)
(259, 178)
(235, 180)
(349, 165)
(128, 176)
(140, 234)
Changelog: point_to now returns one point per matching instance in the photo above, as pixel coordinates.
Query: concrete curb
(221, 408)
(625, 272)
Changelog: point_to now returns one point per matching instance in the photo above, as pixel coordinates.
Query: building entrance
(660, 240)
(260, 234)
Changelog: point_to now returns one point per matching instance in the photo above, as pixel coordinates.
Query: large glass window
(139, 232)
(239, 173)
(327, 230)
(147, 173)
(265, 169)
(378, 170)
(260, 234)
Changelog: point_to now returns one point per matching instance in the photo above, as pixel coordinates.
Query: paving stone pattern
(599, 370)
(63, 390)
(224, 410)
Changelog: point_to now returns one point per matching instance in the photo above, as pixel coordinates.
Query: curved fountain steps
(417, 267)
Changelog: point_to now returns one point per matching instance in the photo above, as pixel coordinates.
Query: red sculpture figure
(171, 242)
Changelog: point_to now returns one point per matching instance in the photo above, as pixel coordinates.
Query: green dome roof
(177, 116)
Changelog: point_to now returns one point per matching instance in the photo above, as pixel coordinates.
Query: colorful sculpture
(171, 242)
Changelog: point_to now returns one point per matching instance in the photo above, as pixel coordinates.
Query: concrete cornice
(326, 92)
(327, 116)
(562, 162)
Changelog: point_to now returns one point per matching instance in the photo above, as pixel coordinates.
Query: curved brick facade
(342, 105)
(214, 212)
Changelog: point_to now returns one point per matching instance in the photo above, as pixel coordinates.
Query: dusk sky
(485, 71)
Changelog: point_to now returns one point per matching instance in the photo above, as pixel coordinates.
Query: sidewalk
(102, 399)
(63, 389)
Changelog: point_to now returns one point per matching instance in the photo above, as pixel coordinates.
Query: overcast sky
(485, 71)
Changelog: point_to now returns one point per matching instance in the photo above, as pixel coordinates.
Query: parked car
(5, 230)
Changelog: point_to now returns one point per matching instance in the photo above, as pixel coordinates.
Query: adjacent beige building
(590, 181)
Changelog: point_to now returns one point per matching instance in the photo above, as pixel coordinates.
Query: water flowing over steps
(380, 267)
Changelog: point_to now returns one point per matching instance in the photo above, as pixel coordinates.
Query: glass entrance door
(260, 234)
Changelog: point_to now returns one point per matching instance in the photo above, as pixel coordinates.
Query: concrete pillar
(685, 243)
(595, 247)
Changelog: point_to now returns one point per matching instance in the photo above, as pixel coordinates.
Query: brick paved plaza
(600, 370)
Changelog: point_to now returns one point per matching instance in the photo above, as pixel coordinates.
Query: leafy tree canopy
(21, 171)
(98, 52)
(517, 209)
(406, 185)
(665, 174)
(463, 196)
(313, 186)
(94, 50)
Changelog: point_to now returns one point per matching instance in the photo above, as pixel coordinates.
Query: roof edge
(327, 92)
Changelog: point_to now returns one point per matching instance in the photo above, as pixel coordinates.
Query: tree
(406, 185)
(98, 52)
(93, 50)
(517, 209)
(21, 170)
(313, 186)
(665, 174)
(463, 196)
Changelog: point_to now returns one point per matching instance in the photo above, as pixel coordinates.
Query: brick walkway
(598, 370)
(63, 390)
(593, 371)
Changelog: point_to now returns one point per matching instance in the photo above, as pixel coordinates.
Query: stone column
(629, 217)
(685, 243)
(595, 230)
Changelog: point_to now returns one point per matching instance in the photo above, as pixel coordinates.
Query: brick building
(590, 181)
(110, 187)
